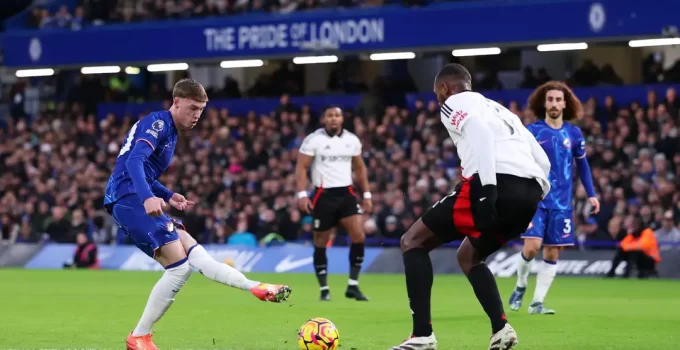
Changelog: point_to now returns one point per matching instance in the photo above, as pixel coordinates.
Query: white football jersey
(332, 164)
(515, 152)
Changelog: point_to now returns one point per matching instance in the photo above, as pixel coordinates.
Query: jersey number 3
(128, 140)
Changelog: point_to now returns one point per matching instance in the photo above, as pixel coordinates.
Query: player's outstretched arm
(161, 191)
(303, 163)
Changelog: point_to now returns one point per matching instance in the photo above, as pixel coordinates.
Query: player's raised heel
(516, 298)
(270, 292)
(505, 339)
(142, 342)
(353, 292)
(418, 343)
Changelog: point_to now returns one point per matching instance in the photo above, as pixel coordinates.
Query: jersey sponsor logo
(158, 125)
(458, 118)
(336, 158)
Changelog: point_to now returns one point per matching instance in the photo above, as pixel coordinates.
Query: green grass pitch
(97, 309)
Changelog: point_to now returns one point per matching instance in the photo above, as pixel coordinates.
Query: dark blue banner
(379, 29)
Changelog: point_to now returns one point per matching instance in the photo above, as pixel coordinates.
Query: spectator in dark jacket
(86, 254)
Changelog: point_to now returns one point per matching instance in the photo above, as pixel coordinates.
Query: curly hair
(573, 108)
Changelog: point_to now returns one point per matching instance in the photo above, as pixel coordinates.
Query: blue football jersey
(159, 132)
(562, 146)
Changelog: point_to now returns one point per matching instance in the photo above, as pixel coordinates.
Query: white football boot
(418, 343)
(505, 339)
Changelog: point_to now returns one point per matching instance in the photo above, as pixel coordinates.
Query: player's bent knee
(354, 227)
(531, 248)
(551, 253)
(410, 240)
(418, 236)
(321, 239)
(467, 256)
(464, 258)
(357, 236)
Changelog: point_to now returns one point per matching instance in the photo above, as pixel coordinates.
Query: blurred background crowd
(98, 12)
(56, 156)
(239, 169)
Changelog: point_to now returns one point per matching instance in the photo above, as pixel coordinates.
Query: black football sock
(486, 290)
(320, 267)
(419, 279)
(356, 259)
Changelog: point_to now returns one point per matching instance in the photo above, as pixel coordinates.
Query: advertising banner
(289, 258)
(390, 28)
(503, 263)
(298, 258)
(17, 255)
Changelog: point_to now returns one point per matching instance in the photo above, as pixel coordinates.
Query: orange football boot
(271, 292)
(143, 342)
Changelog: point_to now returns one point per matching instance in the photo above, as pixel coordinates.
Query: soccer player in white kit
(505, 176)
(332, 153)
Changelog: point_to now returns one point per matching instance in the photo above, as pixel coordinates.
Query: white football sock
(162, 296)
(218, 272)
(544, 279)
(523, 268)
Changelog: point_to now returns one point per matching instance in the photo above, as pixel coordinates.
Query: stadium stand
(239, 167)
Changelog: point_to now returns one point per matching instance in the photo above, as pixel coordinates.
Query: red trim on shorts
(462, 212)
(316, 196)
(179, 224)
(351, 191)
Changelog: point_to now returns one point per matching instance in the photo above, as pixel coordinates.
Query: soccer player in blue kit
(555, 105)
(136, 200)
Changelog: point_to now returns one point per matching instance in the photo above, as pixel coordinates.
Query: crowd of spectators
(239, 169)
(98, 12)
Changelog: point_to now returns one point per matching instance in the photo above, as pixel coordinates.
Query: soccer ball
(318, 334)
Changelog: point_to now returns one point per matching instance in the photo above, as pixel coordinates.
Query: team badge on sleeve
(158, 125)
